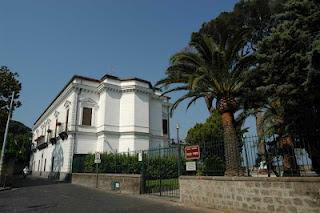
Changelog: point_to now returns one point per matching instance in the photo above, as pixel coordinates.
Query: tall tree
(286, 60)
(213, 68)
(19, 141)
(9, 83)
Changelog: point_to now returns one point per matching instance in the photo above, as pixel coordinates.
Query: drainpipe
(72, 144)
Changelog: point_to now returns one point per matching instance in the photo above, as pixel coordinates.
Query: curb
(5, 188)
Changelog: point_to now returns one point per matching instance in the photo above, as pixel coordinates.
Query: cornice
(124, 89)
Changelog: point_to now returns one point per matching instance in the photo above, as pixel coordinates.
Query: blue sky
(47, 42)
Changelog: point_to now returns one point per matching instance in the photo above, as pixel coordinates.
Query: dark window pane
(165, 126)
(86, 116)
(67, 119)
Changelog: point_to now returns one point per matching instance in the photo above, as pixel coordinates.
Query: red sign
(192, 152)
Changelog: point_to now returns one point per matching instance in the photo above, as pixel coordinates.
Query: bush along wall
(111, 163)
(152, 167)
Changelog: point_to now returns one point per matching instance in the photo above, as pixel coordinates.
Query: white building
(90, 115)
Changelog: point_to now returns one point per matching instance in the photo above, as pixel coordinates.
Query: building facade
(91, 115)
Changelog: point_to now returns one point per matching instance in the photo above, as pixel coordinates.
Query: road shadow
(19, 182)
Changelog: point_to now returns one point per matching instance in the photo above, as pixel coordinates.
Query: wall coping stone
(109, 174)
(266, 179)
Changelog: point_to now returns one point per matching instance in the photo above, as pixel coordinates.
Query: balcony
(53, 140)
(62, 131)
(41, 143)
(33, 147)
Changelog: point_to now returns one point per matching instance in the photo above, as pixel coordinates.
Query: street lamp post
(6, 135)
(179, 151)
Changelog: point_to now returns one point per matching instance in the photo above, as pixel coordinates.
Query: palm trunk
(313, 149)
(231, 146)
(260, 133)
(290, 166)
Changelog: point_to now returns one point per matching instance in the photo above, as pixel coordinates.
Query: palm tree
(214, 71)
(274, 122)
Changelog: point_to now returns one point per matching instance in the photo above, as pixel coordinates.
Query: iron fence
(293, 155)
(160, 168)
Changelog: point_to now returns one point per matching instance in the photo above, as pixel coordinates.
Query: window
(165, 126)
(52, 164)
(45, 162)
(67, 119)
(39, 165)
(86, 116)
(55, 129)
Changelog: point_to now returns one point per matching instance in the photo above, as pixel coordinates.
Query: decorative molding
(56, 113)
(109, 87)
(137, 89)
(86, 101)
(125, 89)
(67, 104)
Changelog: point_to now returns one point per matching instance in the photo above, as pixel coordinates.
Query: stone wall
(283, 194)
(57, 176)
(128, 183)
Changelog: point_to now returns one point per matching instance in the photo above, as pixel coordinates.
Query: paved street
(43, 196)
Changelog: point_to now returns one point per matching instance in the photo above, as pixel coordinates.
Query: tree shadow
(56, 162)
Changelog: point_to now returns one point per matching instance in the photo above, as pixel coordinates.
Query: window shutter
(86, 116)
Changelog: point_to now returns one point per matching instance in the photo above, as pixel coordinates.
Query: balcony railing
(41, 143)
(62, 131)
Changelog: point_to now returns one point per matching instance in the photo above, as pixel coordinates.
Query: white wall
(112, 109)
(126, 143)
(85, 143)
(155, 117)
(60, 151)
(141, 112)
(127, 112)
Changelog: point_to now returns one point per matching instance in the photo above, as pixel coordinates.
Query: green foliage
(209, 131)
(209, 136)
(154, 166)
(287, 60)
(19, 141)
(165, 167)
(9, 83)
(113, 163)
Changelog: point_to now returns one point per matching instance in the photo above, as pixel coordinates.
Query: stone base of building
(57, 176)
(252, 194)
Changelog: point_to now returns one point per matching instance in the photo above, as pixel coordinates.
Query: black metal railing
(293, 155)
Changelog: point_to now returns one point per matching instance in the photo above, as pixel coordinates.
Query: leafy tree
(19, 141)
(209, 137)
(211, 130)
(9, 83)
(287, 59)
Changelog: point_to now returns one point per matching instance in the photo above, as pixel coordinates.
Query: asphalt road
(43, 196)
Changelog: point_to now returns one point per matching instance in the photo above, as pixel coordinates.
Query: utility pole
(6, 134)
(179, 151)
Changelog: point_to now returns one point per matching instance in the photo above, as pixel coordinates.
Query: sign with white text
(192, 152)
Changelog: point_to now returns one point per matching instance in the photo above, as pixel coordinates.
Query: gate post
(142, 178)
